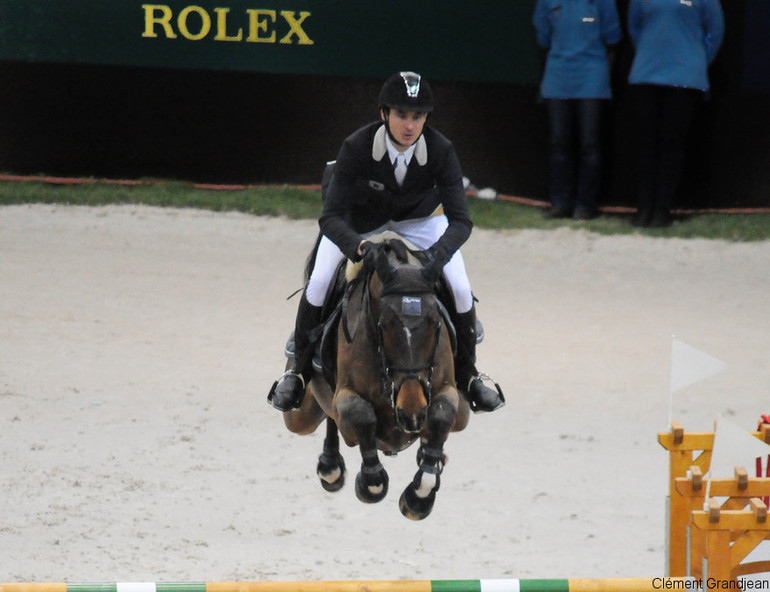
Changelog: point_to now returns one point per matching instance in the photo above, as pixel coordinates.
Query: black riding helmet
(406, 91)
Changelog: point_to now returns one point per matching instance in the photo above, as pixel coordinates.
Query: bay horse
(393, 382)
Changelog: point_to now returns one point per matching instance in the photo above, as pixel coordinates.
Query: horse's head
(408, 320)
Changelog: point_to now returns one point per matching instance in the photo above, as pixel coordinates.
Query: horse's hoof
(331, 472)
(372, 492)
(415, 507)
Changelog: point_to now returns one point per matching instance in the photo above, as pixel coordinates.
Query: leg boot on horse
(289, 390)
(469, 380)
(331, 465)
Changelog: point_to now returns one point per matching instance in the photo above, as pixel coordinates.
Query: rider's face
(406, 126)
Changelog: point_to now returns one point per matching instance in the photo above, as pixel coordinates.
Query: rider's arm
(449, 179)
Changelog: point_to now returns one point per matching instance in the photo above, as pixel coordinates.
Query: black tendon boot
(289, 390)
(469, 380)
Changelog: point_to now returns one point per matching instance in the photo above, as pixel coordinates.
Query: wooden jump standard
(724, 533)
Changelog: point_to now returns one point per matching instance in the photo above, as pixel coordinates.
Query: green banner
(451, 40)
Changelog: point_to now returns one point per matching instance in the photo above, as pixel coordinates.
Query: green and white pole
(489, 585)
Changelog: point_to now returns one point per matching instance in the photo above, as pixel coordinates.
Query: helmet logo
(412, 82)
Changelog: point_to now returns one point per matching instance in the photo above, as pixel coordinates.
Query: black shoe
(482, 398)
(287, 392)
(584, 214)
(555, 212)
(642, 218)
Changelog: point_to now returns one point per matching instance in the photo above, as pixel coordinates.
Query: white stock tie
(399, 168)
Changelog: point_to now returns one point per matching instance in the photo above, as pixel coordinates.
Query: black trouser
(663, 116)
(575, 152)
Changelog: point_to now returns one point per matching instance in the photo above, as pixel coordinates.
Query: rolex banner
(453, 40)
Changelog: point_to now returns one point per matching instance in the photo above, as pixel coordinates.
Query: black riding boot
(469, 381)
(289, 390)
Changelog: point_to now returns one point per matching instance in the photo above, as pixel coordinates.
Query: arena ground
(137, 346)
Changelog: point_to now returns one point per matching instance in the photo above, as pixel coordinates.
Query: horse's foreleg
(463, 415)
(419, 496)
(331, 465)
(358, 424)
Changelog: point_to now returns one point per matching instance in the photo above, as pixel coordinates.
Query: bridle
(411, 301)
(422, 373)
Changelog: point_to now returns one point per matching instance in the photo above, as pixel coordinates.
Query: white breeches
(421, 233)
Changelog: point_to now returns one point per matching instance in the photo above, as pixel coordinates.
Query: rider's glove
(368, 254)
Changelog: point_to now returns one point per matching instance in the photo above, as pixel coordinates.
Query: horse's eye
(388, 319)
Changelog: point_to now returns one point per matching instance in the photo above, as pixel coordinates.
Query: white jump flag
(735, 447)
(690, 365)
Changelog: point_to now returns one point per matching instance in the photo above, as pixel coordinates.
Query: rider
(368, 194)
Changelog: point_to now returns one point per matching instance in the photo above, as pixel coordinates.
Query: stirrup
(474, 404)
(280, 380)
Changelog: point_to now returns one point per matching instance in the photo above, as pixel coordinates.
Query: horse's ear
(385, 271)
(400, 250)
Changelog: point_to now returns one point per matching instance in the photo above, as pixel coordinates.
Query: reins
(361, 279)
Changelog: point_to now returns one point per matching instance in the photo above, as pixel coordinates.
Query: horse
(393, 382)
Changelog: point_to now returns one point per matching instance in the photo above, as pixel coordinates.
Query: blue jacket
(576, 34)
(675, 41)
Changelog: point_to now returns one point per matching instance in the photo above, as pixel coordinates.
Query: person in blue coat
(579, 37)
(675, 41)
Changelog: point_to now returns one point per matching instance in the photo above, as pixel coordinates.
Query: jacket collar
(380, 148)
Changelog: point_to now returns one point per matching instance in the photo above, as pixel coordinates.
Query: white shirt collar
(393, 152)
(380, 147)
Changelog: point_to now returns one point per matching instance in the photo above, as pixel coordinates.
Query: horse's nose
(411, 422)
(411, 405)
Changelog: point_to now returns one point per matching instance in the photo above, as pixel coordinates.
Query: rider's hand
(368, 252)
